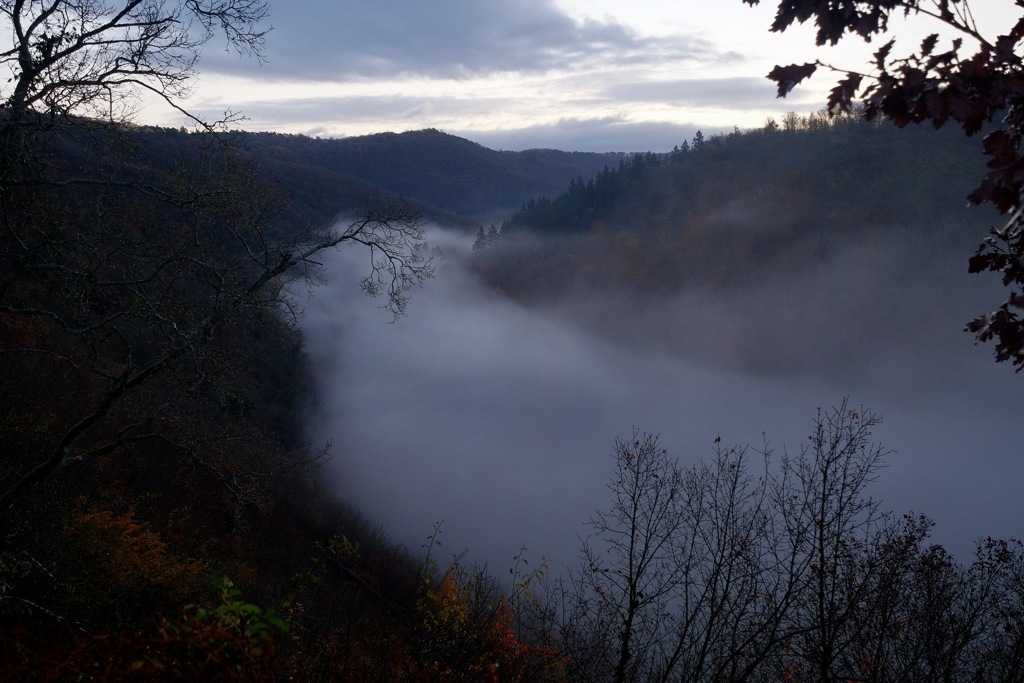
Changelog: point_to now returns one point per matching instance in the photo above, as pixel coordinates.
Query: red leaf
(840, 96)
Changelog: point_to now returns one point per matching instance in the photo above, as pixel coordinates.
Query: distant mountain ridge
(449, 180)
(449, 175)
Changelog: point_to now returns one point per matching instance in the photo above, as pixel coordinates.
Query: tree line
(588, 203)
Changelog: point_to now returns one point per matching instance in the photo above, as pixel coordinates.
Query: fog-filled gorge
(498, 418)
(727, 409)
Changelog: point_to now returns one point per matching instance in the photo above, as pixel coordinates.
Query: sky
(582, 75)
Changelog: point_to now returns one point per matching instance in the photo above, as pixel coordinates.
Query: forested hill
(718, 210)
(448, 173)
(447, 179)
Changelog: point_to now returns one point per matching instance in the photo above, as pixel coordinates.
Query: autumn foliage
(120, 551)
(466, 632)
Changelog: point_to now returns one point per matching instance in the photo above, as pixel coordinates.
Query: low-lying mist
(498, 419)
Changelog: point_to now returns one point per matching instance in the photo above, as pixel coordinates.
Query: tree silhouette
(115, 273)
(94, 57)
(786, 571)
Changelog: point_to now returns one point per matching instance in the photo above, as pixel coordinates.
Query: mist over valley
(727, 295)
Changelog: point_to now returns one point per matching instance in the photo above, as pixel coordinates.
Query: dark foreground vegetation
(153, 385)
(163, 517)
(761, 566)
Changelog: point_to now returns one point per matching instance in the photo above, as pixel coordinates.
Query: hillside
(730, 209)
(775, 239)
(157, 388)
(445, 173)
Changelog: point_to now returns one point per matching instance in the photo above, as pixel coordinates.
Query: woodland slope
(448, 175)
(760, 220)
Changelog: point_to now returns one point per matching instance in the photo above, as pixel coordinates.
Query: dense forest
(813, 183)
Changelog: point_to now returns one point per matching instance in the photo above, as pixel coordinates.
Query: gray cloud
(320, 116)
(596, 73)
(737, 93)
(330, 41)
(324, 111)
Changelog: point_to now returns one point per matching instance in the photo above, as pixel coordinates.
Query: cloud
(734, 93)
(606, 134)
(331, 41)
(323, 116)
(510, 75)
(485, 69)
(275, 113)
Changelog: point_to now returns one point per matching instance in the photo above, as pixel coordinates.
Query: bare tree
(835, 530)
(720, 573)
(678, 582)
(725, 616)
(997, 647)
(629, 573)
(94, 57)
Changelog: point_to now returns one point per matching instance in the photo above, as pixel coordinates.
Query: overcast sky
(587, 75)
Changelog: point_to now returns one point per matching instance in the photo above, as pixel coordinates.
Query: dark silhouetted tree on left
(113, 277)
(93, 58)
(146, 321)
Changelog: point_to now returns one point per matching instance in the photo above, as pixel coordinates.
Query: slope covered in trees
(163, 515)
(834, 176)
(442, 171)
(738, 215)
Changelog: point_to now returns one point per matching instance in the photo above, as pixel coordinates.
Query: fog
(498, 419)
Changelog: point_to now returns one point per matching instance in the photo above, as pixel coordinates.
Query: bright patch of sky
(589, 75)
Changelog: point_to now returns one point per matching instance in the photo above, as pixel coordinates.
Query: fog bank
(499, 419)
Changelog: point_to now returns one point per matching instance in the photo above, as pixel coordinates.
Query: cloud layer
(499, 70)
(328, 41)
